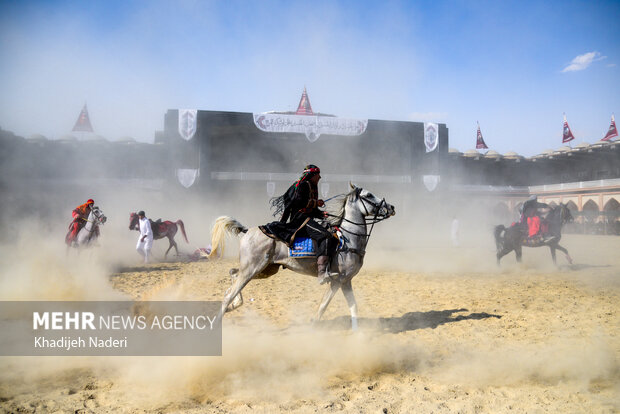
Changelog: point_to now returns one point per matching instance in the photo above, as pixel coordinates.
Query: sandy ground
(441, 331)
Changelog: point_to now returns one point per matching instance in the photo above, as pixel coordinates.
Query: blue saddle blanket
(302, 247)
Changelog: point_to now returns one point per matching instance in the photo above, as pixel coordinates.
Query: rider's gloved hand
(320, 203)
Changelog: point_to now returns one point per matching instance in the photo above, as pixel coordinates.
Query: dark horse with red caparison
(514, 237)
(161, 229)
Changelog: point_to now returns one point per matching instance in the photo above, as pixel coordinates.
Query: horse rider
(145, 239)
(530, 217)
(80, 216)
(299, 206)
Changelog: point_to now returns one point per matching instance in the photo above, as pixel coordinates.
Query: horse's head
(98, 216)
(565, 215)
(369, 204)
(133, 221)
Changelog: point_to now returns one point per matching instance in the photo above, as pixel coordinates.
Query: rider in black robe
(299, 206)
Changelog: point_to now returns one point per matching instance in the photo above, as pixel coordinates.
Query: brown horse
(161, 229)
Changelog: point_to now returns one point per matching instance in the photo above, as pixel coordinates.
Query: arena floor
(441, 330)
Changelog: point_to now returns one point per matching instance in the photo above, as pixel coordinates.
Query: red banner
(480, 144)
(567, 134)
(304, 107)
(83, 122)
(613, 132)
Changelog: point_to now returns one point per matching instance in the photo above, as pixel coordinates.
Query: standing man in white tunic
(145, 240)
(454, 232)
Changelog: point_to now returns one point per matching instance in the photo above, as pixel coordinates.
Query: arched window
(612, 205)
(572, 207)
(612, 216)
(591, 214)
(590, 210)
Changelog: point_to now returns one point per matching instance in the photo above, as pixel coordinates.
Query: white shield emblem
(187, 123)
(324, 190)
(431, 136)
(187, 176)
(312, 134)
(431, 181)
(271, 188)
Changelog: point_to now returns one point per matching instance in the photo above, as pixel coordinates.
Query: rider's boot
(323, 272)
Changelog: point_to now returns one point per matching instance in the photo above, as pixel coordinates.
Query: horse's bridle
(562, 214)
(376, 219)
(377, 207)
(98, 219)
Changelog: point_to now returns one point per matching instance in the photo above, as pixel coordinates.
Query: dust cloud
(261, 364)
(506, 327)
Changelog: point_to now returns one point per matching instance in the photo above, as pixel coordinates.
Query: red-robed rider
(80, 215)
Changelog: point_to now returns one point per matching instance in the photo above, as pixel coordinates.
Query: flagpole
(566, 122)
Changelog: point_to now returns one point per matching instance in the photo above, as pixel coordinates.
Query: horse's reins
(372, 222)
(92, 221)
(331, 198)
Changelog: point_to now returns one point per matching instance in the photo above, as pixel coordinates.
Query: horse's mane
(555, 218)
(555, 210)
(337, 214)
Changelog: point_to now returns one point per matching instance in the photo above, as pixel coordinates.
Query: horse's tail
(222, 226)
(182, 226)
(499, 237)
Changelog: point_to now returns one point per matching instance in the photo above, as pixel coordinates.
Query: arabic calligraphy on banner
(311, 126)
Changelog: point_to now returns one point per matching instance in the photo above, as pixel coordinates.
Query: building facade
(586, 177)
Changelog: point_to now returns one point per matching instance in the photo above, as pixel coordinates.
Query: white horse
(262, 256)
(89, 233)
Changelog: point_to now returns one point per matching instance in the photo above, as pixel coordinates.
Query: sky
(513, 66)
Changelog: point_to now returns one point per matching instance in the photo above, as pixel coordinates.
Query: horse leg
(238, 300)
(347, 291)
(171, 244)
(563, 250)
(247, 270)
(502, 253)
(233, 291)
(327, 297)
(552, 248)
(519, 252)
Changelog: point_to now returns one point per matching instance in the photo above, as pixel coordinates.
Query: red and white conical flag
(83, 122)
(567, 135)
(613, 132)
(480, 144)
(304, 107)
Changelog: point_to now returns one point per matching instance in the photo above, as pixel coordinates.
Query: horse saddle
(306, 247)
(302, 247)
(158, 227)
(533, 241)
